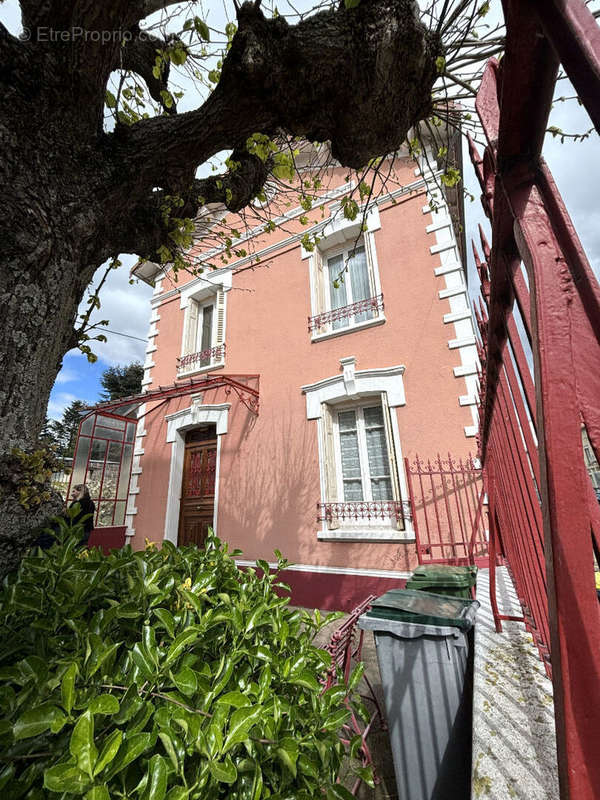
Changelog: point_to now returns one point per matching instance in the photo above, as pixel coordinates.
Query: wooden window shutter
(220, 309)
(389, 435)
(331, 487)
(320, 277)
(190, 328)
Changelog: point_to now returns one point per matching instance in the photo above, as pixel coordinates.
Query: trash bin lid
(424, 608)
(444, 575)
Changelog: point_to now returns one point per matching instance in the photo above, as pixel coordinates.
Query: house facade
(284, 389)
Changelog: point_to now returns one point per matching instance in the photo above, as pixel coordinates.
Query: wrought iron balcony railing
(381, 509)
(346, 312)
(205, 358)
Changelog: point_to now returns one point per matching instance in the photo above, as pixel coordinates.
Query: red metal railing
(204, 358)
(446, 498)
(544, 516)
(363, 510)
(345, 649)
(374, 304)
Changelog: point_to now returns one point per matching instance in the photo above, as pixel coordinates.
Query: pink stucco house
(280, 399)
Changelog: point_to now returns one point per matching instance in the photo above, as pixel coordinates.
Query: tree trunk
(39, 307)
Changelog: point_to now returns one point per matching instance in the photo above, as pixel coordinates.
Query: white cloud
(58, 403)
(127, 309)
(66, 376)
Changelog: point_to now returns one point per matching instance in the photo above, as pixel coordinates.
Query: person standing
(87, 509)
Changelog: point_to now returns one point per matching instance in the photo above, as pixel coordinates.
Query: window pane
(347, 420)
(111, 422)
(350, 456)
(351, 474)
(205, 325)
(88, 424)
(353, 491)
(107, 433)
(377, 452)
(379, 463)
(81, 457)
(98, 450)
(381, 489)
(111, 472)
(359, 278)
(105, 515)
(373, 416)
(126, 462)
(119, 514)
(338, 296)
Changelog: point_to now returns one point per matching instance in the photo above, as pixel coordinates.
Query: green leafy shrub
(161, 674)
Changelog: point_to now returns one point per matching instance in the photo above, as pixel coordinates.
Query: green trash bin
(444, 579)
(423, 644)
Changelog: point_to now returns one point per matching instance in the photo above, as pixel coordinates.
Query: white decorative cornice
(197, 414)
(411, 188)
(355, 383)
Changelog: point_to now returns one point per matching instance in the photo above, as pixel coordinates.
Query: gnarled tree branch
(139, 55)
(384, 53)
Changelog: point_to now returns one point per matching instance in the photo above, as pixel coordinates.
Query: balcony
(192, 362)
(369, 510)
(370, 307)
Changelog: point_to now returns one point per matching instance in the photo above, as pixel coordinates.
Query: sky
(576, 169)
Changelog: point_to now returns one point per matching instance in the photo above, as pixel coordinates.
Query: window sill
(370, 323)
(209, 368)
(366, 535)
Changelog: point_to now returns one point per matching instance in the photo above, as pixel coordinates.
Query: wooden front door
(198, 486)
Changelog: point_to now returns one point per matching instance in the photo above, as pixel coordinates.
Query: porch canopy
(106, 439)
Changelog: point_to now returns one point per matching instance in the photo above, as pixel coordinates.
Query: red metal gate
(447, 510)
(543, 513)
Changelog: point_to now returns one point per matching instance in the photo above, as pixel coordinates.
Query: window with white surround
(362, 454)
(362, 486)
(345, 287)
(363, 494)
(203, 333)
